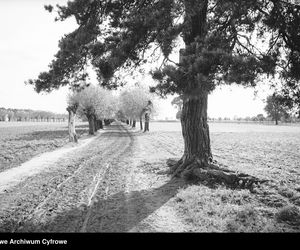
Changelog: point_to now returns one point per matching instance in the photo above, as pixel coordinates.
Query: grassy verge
(225, 210)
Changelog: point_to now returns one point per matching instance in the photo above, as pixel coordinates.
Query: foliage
(177, 101)
(133, 101)
(225, 42)
(93, 100)
(274, 107)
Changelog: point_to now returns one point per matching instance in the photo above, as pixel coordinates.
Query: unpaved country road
(113, 184)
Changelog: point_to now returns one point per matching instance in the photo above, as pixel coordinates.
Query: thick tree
(225, 41)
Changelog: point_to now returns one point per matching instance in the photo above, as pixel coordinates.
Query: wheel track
(103, 192)
(111, 156)
(65, 181)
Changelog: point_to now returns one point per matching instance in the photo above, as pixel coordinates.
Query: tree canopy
(132, 101)
(275, 108)
(236, 41)
(93, 100)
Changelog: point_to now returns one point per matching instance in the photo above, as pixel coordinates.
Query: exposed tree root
(212, 173)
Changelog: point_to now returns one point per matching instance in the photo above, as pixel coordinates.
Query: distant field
(20, 141)
(230, 127)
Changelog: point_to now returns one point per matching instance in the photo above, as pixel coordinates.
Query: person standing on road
(147, 111)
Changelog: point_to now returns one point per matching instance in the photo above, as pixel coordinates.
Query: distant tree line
(277, 109)
(28, 115)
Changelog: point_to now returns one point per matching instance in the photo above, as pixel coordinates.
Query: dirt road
(116, 183)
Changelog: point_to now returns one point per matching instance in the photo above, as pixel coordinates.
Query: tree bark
(195, 129)
(141, 123)
(133, 123)
(71, 123)
(100, 124)
(147, 120)
(91, 120)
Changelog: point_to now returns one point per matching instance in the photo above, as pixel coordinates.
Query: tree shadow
(120, 212)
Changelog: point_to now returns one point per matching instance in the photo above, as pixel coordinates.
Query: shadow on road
(120, 212)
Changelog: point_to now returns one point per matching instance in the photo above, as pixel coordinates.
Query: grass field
(20, 141)
(266, 151)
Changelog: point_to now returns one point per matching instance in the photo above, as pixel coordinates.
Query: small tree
(274, 107)
(260, 117)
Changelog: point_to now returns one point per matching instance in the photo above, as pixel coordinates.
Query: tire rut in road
(105, 214)
(67, 209)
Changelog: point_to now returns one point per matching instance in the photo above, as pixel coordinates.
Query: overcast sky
(28, 40)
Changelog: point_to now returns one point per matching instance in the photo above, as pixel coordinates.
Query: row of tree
(134, 104)
(27, 115)
(100, 107)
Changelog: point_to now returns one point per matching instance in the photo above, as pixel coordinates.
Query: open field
(266, 151)
(119, 183)
(20, 141)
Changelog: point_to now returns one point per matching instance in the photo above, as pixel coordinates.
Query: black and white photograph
(148, 116)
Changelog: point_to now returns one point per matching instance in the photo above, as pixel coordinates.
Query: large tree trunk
(91, 120)
(141, 123)
(147, 120)
(196, 162)
(195, 129)
(71, 123)
(133, 123)
(100, 124)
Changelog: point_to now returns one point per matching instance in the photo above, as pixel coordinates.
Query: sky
(28, 41)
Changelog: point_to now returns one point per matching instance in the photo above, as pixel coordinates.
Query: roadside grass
(226, 210)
